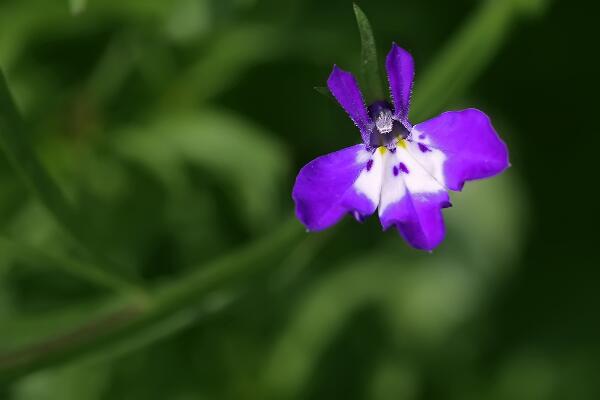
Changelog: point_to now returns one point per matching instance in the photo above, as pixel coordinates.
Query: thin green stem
(81, 270)
(104, 333)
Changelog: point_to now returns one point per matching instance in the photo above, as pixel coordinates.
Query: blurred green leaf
(373, 87)
(393, 379)
(19, 21)
(74, 382)
(14, 140)
(223, 62)
(243, 156)
(491, 218)
(527, 376)
(422, 303)
(113, 67)
(77, 6)
(189, 19)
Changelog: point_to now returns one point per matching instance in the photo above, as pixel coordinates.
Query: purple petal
(472, 148)
(418, 218)
(411, 200)
(401, 72)
(331, 186)
(344, 88)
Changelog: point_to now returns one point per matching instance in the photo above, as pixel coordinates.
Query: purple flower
(405, 171)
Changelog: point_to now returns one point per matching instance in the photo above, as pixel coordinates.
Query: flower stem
(131, 321)
(78, 269)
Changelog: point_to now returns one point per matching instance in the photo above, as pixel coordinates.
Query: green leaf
(221, 65)
(373, 88)
(21, 21)
(242, 156)
(77, 6)
(79, 381)
(14, 140)
(422, 300)
(19, 151)
(491, 217)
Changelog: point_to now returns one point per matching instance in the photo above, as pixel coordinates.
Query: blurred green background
(172, 267)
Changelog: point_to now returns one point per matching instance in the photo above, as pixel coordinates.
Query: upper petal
(411, 200)
(344, 88)
(401, 72)
(471, 146)
(331, 186)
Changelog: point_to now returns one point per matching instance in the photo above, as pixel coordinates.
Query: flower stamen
(384, 121)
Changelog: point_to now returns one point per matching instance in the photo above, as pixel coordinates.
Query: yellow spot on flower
(401, 143)
(382, 149)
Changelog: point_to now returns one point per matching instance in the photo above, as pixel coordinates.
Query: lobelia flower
(405, 171)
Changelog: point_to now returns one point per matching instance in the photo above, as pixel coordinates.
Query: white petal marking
(432, 160)
(362, 156)
(369, 180)
(417, 180)
(419, 136)
(392, 188)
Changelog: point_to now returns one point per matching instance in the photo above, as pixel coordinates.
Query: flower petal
(429, 158)
(344, 88)
(419, 219)
(411, 200)
(331, 186)
(401, 72)
(472, 148)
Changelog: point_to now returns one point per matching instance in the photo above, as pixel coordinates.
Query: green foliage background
(147, 244)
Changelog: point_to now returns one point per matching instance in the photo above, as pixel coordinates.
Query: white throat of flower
(384, 122)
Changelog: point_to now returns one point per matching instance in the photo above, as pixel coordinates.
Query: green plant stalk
(70, 266)
(20, 153)
(132, 318)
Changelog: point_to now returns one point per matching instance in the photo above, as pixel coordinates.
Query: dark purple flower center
(386, 128)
